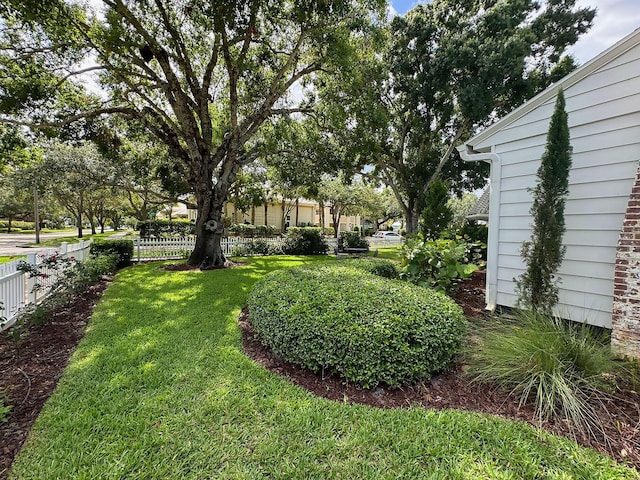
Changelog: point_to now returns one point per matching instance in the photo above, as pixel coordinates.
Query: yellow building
(287, 213)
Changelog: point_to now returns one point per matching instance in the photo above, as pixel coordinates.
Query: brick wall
(625, 335)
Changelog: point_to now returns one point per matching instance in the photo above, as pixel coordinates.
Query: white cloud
(391, 12)
(614, 20)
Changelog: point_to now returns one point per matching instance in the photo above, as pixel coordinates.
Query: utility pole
(36, 213)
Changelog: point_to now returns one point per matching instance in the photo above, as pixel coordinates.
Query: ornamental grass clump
(367, 329)
(561, 367)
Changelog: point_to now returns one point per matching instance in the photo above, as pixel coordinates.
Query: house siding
(604, 121)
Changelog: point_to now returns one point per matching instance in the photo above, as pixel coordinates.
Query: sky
(614, 20)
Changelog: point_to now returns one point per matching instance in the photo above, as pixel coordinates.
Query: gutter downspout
(468, 155)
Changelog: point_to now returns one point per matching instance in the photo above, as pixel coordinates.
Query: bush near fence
(123, 248)
(71, 277)
(16, 225)
(251, 231)
(305, 241)
(165, 228)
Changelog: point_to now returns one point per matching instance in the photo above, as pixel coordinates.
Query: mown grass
(391, 253)
(10, 258)
(32, 230)
(56, 242)
(160, 389)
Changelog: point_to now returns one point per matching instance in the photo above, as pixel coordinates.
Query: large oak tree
(203, 76)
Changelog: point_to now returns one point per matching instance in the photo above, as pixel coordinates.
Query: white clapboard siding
(603, 105)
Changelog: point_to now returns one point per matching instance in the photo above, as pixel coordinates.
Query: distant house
(286, 213)
(480, 210)
(600, 275)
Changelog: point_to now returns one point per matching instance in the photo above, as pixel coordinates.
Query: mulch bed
(184, 267)
(32, 366)
(620, 416)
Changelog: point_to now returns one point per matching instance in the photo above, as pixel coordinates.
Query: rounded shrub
(367, 329)
(305, 241)
(377, 266)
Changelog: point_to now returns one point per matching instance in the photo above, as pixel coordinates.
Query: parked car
(387, 235)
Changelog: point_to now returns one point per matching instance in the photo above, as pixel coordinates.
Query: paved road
(18, 243)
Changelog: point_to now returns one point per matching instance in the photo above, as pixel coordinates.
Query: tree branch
(73, 118)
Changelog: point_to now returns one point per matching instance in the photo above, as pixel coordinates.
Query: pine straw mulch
(32, 366)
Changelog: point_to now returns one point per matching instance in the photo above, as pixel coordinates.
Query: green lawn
(7, 259)
(43, 230)
(160, 389)
(73, 238)
(391, 253)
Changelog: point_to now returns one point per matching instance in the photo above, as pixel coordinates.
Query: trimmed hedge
(256, 246)
(352, 240)
(367, 329)
(248, 230)
(165, 228)
(17, 225)
(122, 248)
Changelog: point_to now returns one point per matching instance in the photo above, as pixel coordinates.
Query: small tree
(538, 286)
(436, 215)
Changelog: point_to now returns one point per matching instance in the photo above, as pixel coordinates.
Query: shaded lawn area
(160, 388)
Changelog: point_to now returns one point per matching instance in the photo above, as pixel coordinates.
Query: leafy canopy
(432, 77)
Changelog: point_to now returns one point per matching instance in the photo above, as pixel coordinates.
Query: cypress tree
(543, 254)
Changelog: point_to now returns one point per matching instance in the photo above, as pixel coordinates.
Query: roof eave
(550, 92)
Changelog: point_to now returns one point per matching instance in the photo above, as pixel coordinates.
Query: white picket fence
(180, 247)
(171, 248)
(17, 290)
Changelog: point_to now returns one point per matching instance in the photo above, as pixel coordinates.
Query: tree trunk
(79, 217)
(412, 214)
(412, 221)
(9, 224)
(297, 211)
(207, 253)
(92, 222)
(335, 216)
(284, 221)
(266, 209)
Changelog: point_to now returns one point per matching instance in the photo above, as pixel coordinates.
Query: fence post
(137, 240)
(32, 296)
(86, 252)
(64, 247)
